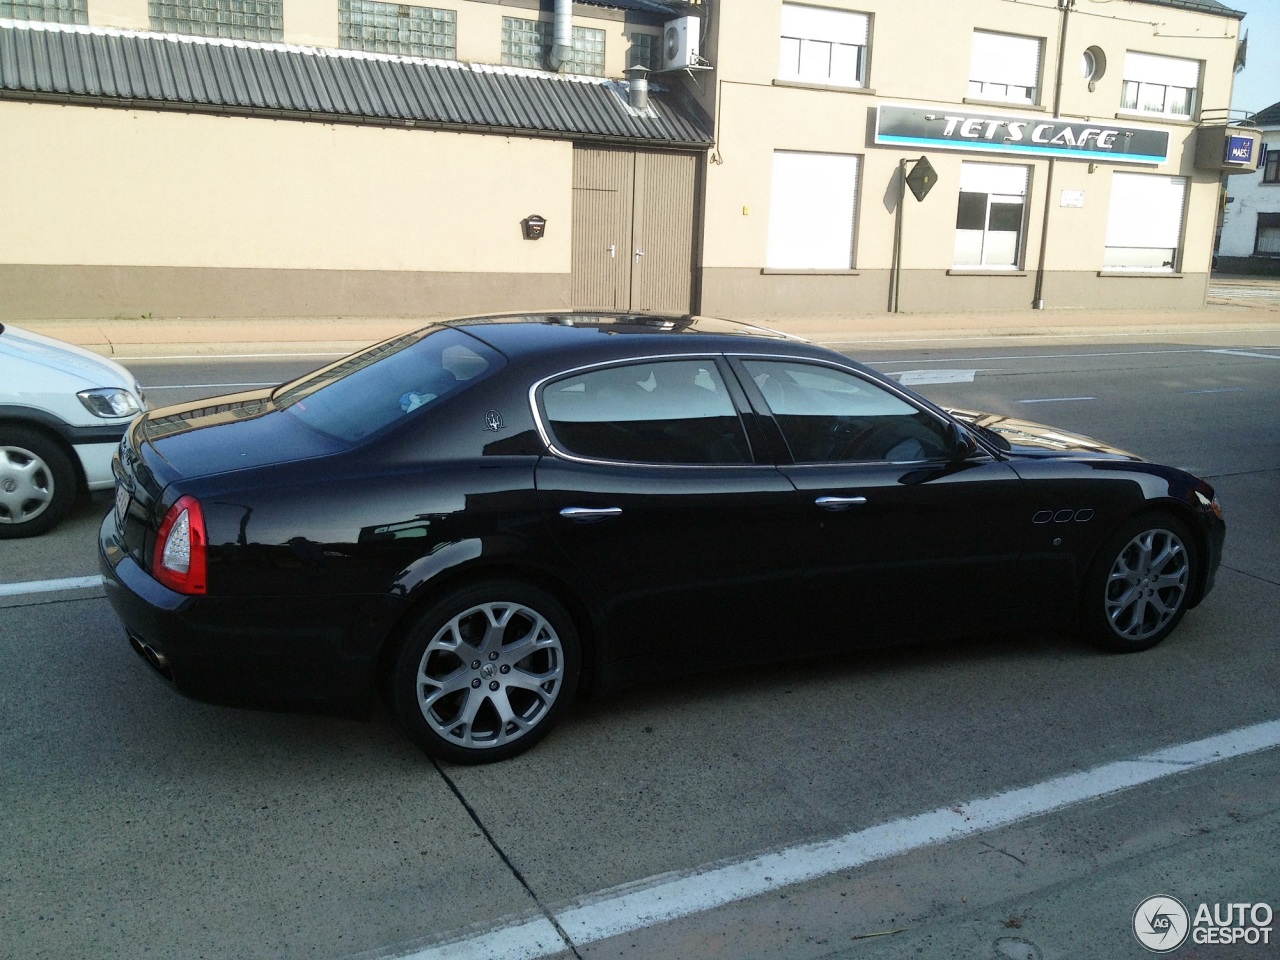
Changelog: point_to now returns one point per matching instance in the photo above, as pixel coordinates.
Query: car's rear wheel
(486, 672)
(1140, 585)
(37, 482)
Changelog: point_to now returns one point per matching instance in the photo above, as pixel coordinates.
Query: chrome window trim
(544, 431)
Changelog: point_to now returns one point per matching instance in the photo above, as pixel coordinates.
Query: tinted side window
(828, 415)
(356, 397)
(667, 411)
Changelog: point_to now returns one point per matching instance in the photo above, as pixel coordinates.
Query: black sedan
(484, 517)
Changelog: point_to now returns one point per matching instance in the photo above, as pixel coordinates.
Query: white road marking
(1069, 356)
(208, 386)
(637, 906)
(1246, 353)
(48, 586)
(144, 358)
(1055, 400)
(911, 377)
(1215, 390)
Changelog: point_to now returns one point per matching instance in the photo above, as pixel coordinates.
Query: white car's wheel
(37, 482)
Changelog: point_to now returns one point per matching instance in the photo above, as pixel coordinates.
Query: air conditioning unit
(680, 44)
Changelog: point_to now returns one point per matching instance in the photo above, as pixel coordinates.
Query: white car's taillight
(179, 561)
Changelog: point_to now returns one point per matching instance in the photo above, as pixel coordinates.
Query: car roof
(607, 334)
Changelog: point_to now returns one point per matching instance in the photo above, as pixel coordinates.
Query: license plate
(122, 502)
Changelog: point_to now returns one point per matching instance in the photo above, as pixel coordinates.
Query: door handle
(613, 250)
(839, 503)
(639, 254)
(590, 514)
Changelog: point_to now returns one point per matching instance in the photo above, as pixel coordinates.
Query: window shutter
(1170, 71)
(817, 23)
(1003, 58)
(811, 212)
(1146, 211)
(997, 178)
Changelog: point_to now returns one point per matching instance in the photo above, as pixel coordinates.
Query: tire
(1139, 586)
(37, 482)
(486, 672)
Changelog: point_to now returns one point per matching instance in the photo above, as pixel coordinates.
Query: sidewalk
(154, 337)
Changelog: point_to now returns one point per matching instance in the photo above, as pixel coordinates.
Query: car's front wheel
(486, 672)
(37, 482)
(1140, 585)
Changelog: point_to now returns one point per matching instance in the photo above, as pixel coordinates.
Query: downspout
(562, 37)
(1038, 302)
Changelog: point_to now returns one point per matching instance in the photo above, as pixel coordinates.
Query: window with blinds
(1267, 240)
(1164, 86)
(812, 211)
(1144, 222)
(824, 46)
(1005, 67)
(991, 215)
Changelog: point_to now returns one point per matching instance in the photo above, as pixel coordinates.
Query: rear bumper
(273, 652)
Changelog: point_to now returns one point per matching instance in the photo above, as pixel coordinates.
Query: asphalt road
(135, 823)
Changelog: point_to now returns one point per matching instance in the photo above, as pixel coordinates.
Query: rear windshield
(368, 391)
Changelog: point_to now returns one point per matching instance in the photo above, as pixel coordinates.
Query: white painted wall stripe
(48, 586)
(612, 913)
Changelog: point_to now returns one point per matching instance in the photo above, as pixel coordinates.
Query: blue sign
(1239, 150)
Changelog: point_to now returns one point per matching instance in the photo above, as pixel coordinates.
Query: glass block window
(527, 43)
(397, 28)
(644, 51)
(50, 11)
(229, 19)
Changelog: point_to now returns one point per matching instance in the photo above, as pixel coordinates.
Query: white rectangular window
(823, 46)
(1267, 240)
(991, 215)
(1005, 67)
(1165, 86)
(1144, 223)
(812, 210)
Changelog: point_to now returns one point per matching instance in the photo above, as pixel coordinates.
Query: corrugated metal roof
(647, 6)
(1200, 6)
(162, 71)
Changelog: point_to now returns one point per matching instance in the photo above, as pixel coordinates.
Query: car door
(900, 540)
(684, 544)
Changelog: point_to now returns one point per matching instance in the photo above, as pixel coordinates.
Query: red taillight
(179, 559)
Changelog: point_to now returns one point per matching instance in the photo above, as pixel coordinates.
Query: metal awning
(102, 67)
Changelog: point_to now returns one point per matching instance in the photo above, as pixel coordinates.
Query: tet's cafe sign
(947, 128)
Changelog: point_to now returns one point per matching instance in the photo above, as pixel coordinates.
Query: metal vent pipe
(637, 87)
(562, 37)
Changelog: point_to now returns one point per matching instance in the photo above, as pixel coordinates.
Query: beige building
(355, 157)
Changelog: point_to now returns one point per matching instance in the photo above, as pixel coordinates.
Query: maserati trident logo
(493, 421)
(1161, 924)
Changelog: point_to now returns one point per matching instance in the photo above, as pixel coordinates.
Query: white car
(63, 410)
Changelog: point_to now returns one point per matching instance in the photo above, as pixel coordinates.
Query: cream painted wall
(312, 23)
(758, 116)
(120, 14)
(167, 189)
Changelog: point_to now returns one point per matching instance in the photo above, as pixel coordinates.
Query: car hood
(225, 434)
(77, 367)
(1028, 439)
